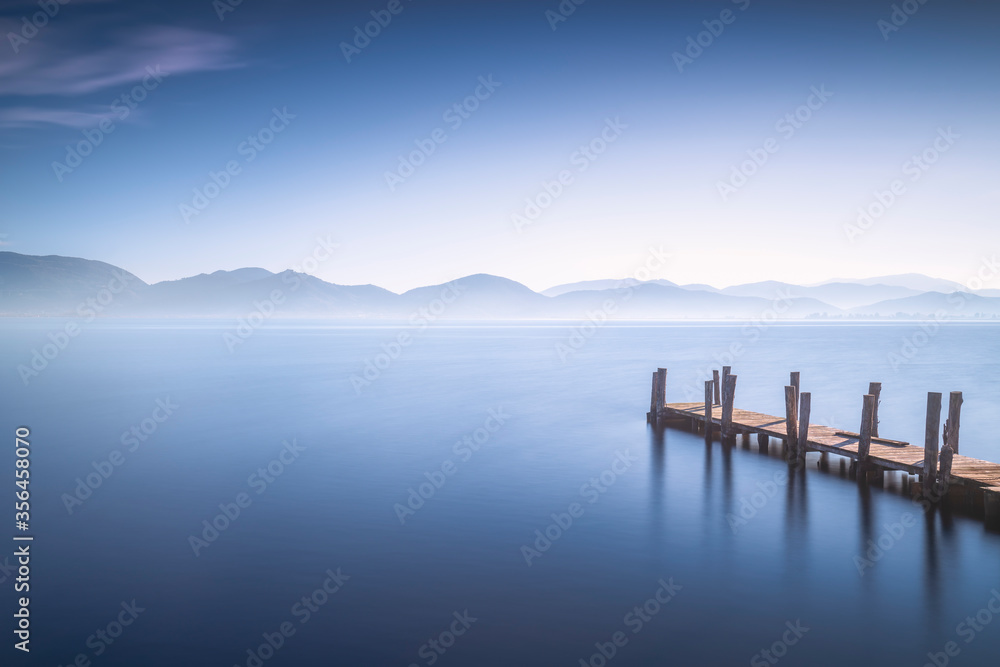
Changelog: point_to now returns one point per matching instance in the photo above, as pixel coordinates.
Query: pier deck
(905, 457)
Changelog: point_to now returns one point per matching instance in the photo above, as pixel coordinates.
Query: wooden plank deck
(905, 457)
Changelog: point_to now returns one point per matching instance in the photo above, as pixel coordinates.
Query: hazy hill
(53, 285)
(913, 281)
(286, 294)
(841, 295)
(592, 285)
(652, 301)
(930, 304)
(479, 296)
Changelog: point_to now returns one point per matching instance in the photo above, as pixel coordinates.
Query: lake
(486, 495)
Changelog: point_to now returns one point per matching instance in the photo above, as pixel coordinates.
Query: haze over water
(661, 516)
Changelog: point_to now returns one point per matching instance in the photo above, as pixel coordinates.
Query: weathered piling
(805, 408)
(728, 399)
(931, 430)
(943, 473)
(865, 432)
(795, 380)
(658, 396)
(875, 389)
(791, 420)
(709, 388)
(654, 402)
(954, 419)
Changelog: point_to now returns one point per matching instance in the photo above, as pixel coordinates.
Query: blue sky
(661, 182)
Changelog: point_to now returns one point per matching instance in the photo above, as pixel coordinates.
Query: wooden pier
(941, 472)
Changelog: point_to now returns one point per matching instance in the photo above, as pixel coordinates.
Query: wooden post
(931, 430)
(954, 419)
(718, 388)
(875, 389)
(709, 387)
(661, 387)
(651, 417)
(867, 415)
(728, 399)
(791, 420)
(804, 410)
(796, 381)
(763, 441)
(944, 473)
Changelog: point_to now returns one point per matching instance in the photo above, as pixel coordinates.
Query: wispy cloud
(56, 69)
(27, 116)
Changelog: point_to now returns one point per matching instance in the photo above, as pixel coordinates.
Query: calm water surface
(573, 436)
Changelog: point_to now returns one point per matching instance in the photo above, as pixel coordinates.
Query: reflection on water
(750, 556)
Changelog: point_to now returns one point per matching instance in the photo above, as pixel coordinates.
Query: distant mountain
(213, 280)
(54, 285)
(649, 301)
(239, 293)
(762, 290)
(46, 286)
(841, 295)
(480, 296)
(933, 304)
(591, 285)
(913, 281)
(700, 287)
